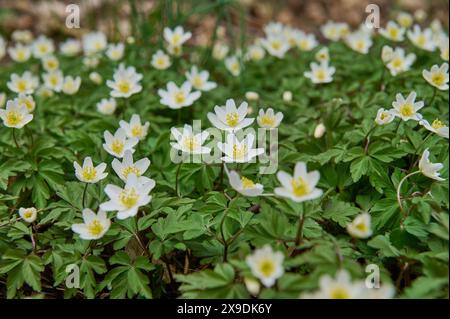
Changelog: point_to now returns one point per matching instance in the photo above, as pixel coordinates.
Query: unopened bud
(252, 96)
(319, 130)
(96, 78)
(287, 96)
(252, 286)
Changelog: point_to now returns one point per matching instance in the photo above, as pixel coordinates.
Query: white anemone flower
(26, 83)
(429, 169)
(360, 227)
(70, 47)
(118, 143)
(407, 109)
(160, 60)
(239, 151)
(134, 128)
(323, 55)
(436, 127)
(189, 142)
(340, 287)
(54, 80)
(244, 185)
(27, 101)
(176, 37)
(107, 106)
(42, 47)
(126, 82)
(437, 76)
(399, 61)
(276, 46)
(266, 265)
(20, 53)
(177, 97)
(384, 117)
(116, 51)
(269, 119)
(88, 173)
(71, 85)
(393, 32)
(199, 80)
(94, 226)
(28, 214)
(230, 118)
(94, 42)
(255, 52)
(335, 31)
(359, 42)
(127, 166)
(422, 39)
(233, 65)
(15, 115)
(320, 73)
(50, 63)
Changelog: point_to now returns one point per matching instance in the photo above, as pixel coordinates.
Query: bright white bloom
(94, 226)
(199, 79)
(384, 117)
(91, 61)
(177, 97)
(340, 287)
(320, 130)
(115, 52)
(118, 143)
(126, 201)
(436, 127)
(405, 19)
(42, 47)
(307, 42)
(2, 99)
(27, 101)
(407, 109)
(96, 78)
(25, 83)
(266, 265)
(335, 31)
(274, 29)
(22, 36)
(126, 82)
(360, 227)
(233, 65)
(230, 118)
(88, 173)
(400, 63)
(28, 214)
(269, 119)
(15, 115)
(244, 185)
(50, 63)
(44, 91)
(252, 96)
(54, 80)
(276, 46)
(437, 76)
(322, 73)
(70, 47)
(71, 85)
(255, 53)
(359, 42)
(287, 96)
(94, 42)
(160, 60)
(107, 106)
(253, 286)
(20, 53)
(128, 166)
(301, 186)
(443, 48)
(422, 39)
(239, 151)
(393, 32)
(323, 55)
(429, 169)
(189, 142)
(134, 128)
(387, 53)
(176, 37)
(220, 51)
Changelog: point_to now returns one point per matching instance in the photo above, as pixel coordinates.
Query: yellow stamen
(267, 120)
(130, 169)
(124, 86)
(117, 146)
(232, 119)
(137, 131)
(190, 143)
(339, 293)
(95, 228)
(197, 82)
(267, 267)
(89, 173)
(239, 152)
(13, 118)
(438, 78)
(299, 187)
(437, 124)
(180, 97)
(247, 183)
(407, 110)
(128, 197)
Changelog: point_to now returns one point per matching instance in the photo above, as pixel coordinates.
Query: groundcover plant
(279, 165)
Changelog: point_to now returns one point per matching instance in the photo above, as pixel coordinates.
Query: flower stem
(399, 199)
(84, 195)
(14, 137)
(177, 187)
(434, 95)
(299, 236)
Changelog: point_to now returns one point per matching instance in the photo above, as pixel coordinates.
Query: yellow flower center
(397, 63)
(235, 67)
(161, 62)
(197, 82)
(232, 119)
(247, 183)
(130, 169)
(20, 55)
(124, 86)
(361, 227)
(360, 45)
(117, 146)
(176, 38)
(28, 214)
(43, 49)
(180, 97)
(407, 110)
(383, 116)
(239, 152)
(438, 78)
(339, 293)
(421, 40)
(266, 267)
(53, 80)
(14, 118)
(190, 143)
(437, 124)
(320, 75)
(299, 187)
(137, 131)
(393, 33)
(22, 85)
(128, 197)
(276, 45)
(52, 64)
(304, 44)
(267, 120)
(95, 228)
(89, 173)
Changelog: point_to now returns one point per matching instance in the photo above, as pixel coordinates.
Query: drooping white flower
(407, 109)
(299, 187)
(429, 169)
(320, 73)
(128, 166)
(239, 151)
(384, 117)
(91, 61)
(126, 201)
(42, 47)
(269, 119)
(199, 80)
(22, 36)
(126, 82)
(399, 62)
(387, 53)
(175, 39)
(287, 96)
(436, 127)
(359, 42)
(15, 115)
(273, 29)
(107, 106)
(276, 46)
(28, 214)
(340, 287)
(118, 143)
(220, 51)
(71, 85)
(255, 52)
(243, 185)
(437, 76)
(134, 128)
(233, 65)
(54, 80)
(323, 55)
(20, 53)
(50, 63)
(307, 42)
(393, 32)
(230, 118)
(94, 42)
(444, 49)
(26, 83)
(70, 47)
(252, 96)
(405, 19)
(189, 142)
(160, 60)
(94, 226)
(116, 51)
(96, 78)
(422, 39)
(360, 227)
(177, 97)
(320, 130)
(88, 173)
(335, 31)
(266, 265)
(25, 100)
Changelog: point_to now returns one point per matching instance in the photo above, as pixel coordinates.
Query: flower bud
(252, 96)
(287, 96)
(96, 78)
(319, 130)
(252, 286)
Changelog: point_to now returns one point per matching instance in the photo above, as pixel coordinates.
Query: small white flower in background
(405, 19)
(420, 15)
(399, 63)
(160, 60)
(126, 82)
(360, 227)
(320, 73)
(107, 106)
(96, 78)
(429, 169)
(70, 47)
(422, 39)
(177, 97)
(131, 40)
(220, 51)
(436, 127)
(50, 63)
(436, 26)
(15, 115)
(42, 47)
(385, 291)
(444, 49)
(384, 117)
(199, 79)
(387, 53)
(126, 201)
(54, 80)
(407, 109)
(94, 42)
(287, 96)
(301, 186)
(25, 83)
(393, 32)
(2, 99)
(116, 51)
(255, 52)
(437, 76)
(233, 65)
(188, 142)
(118, 143)
(323, 55)
(91, 61)
(88, 173)
(175, 39)
(28, 214)
(71, 85)
(359, 42)
(335, 31)
(276, 46)
(252, 96)
(274, 29)
(128, 166)
(340, 287)
(230, 118)
(94, 225)
(269, 119)
(22, 36)
(25, 100)
(243, 185)
(291, 35)
(252, 285)
(320, 130)
(44, 91)
(307, 42)
(20, 53)
(266, 265)
(134, 128)
(239, 151)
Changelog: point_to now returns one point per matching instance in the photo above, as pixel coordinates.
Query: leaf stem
(399, 199)
(177, 180)
(14, 137)
(83, 204)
